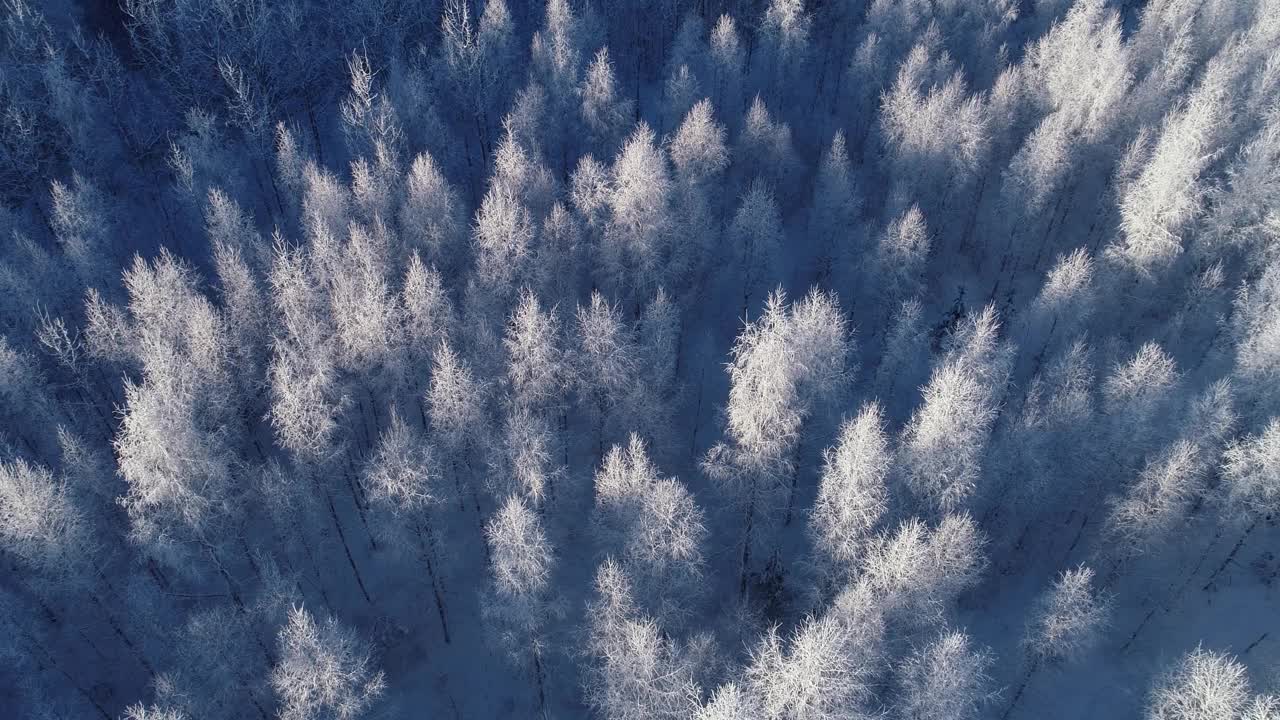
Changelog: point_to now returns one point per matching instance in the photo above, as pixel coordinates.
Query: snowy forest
(640, 359)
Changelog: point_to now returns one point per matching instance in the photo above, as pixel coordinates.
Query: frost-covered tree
(1241, 206)
(1134, 395)
(655, 530)
(682, 92)
(1167, 194)
(1249, 485)
(1251, 473)
(82, 224)
(756, 238)
(240, 258)
(916, 573)
(934, 131)
(700, 154)
(659, 333)
(636, 247)
(496, 36)
(852, 494)
(863, 80)
(729, 702)
(175, 446)
(537, 369)
(504, 229)
(404, 483)
(24, 400)
(636, 670)
(1082, 110)
(698, 148)
(946, 678)
(1160, 500)
(561, 258)
(728, 59)
(785, 37)
(556, 54)
(60, 560)
(906, 347)
(40, 522)
(786, 365)
(589, 189)
(363, 306)
(370, 123)
(325, 670)
(523, 463)
(1067, 622)
(1203, 685)
(304, 401)
(837, 205)
(519, 601)
(179, 474)
(1088, 35)
(825, 669)
(1057, 414)
(462, 63)
(1069, 619)
(900, 256)
(1035, 176)
(766, 150)
(456, 412)
(604, 112)
(430, 213)
(1064, 304)
(426, 314)
(139, 711)
(1257, 339)
(607, 367)
(942, 446)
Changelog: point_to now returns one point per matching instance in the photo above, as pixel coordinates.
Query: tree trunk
(357, 496)
(746, 543)
(457, 485)
(315, 129)
(697, 417)
(973, 216)
(537, 675)
(795, 480)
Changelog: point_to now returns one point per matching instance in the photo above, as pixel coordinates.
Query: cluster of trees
(758, 359)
